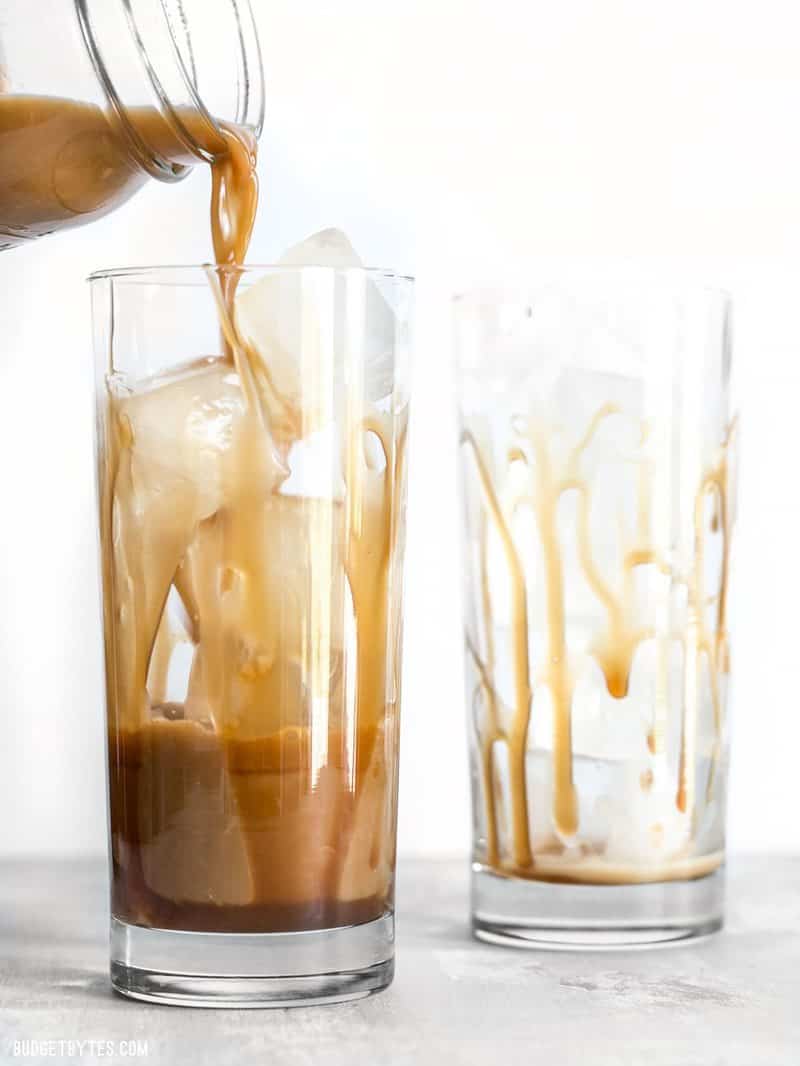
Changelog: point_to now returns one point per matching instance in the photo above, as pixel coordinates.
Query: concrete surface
(733, 1000)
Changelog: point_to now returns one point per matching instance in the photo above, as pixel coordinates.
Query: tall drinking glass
(597, 448)
(251, 453)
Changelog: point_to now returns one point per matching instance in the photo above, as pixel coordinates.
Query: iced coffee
(250, 523)
(252, 429)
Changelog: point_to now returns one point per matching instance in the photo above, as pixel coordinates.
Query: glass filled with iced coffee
(598, 454)
(252, 447)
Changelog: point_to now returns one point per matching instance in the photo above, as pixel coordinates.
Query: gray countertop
(733, 1000)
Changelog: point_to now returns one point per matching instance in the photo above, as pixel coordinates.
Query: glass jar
(98, 95)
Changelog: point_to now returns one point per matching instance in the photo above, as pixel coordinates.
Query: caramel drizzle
(517, 736)
(701, 642)
(614, 649)
(368, 538)
(492, 732)
(557, 674)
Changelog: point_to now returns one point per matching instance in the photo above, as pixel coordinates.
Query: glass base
(252, 969)
(539, 914)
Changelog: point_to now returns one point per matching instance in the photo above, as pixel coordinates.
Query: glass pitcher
(98, 95)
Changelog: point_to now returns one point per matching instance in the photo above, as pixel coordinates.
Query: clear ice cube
(318, 332)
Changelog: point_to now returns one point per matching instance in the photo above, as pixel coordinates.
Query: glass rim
(191, 274)
(614, 288)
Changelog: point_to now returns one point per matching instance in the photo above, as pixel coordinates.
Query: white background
(462, 140)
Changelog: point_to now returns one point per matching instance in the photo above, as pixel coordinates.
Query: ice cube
(181, 426)
(172, 475)
(317, 334)
(328, 248)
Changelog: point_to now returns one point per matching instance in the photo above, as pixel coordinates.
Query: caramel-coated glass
(598, 452)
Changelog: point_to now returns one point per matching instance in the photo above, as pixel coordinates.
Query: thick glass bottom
(252, 969)
(538, 914)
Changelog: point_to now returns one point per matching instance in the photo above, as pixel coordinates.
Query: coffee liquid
(64, 163)
(61, 165)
